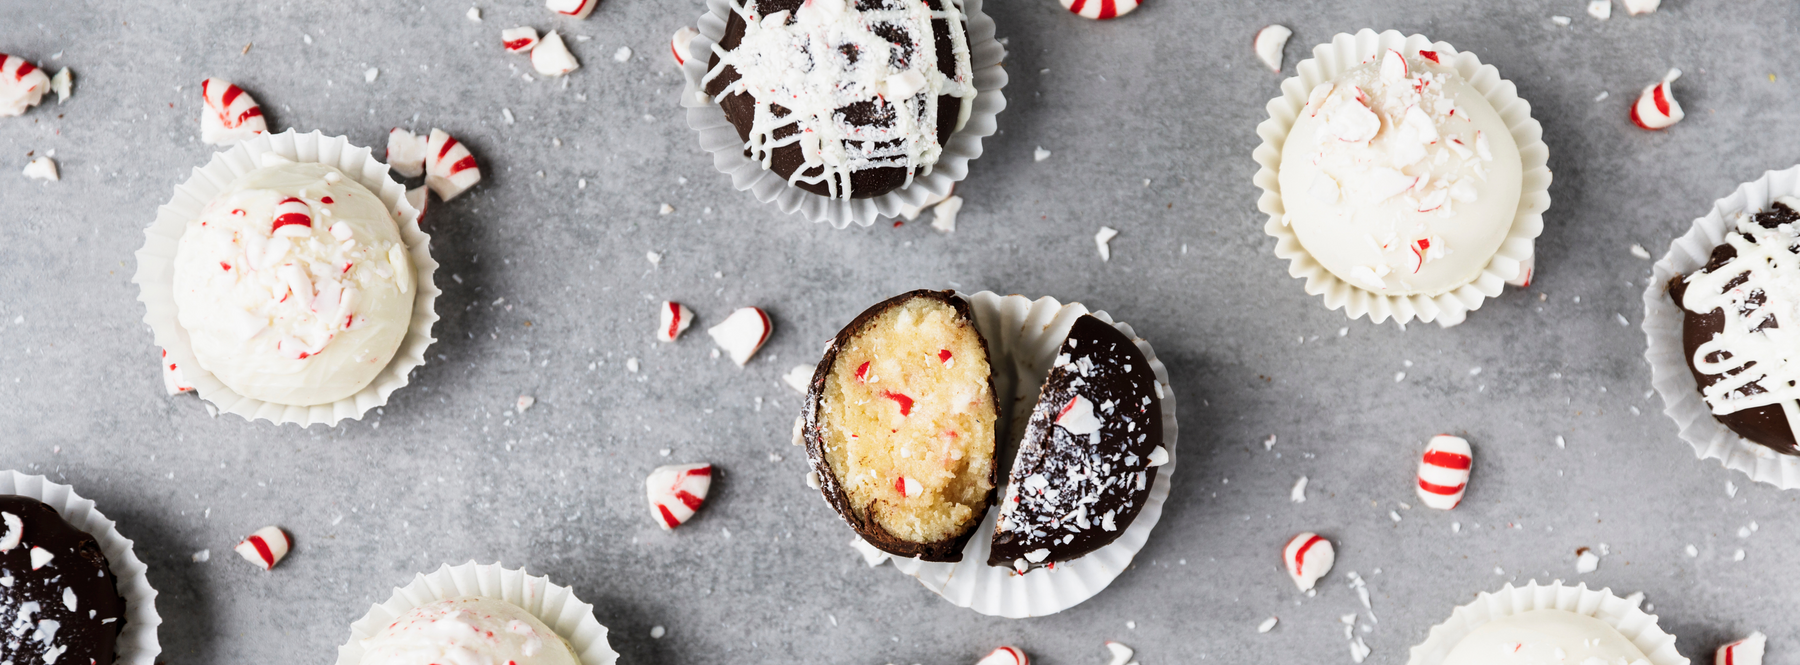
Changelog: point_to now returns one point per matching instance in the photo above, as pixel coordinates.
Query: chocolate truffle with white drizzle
(1741, 331)
(58, 597)
(1087, 461)
(844, 98)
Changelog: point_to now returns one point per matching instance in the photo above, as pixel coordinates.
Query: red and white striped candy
(231, 115)
(449, 168)
(173, 381)
(1100, 9)
(1005, 656)
(742, 333)
(416, 196)
(1444, 471)
(678, 45)
(1747, 651)
(1527, 271)
(406, 153)
(676, 492)
(1308, 556)
(674, 318)
(519, 40)
(1656, 107)
(292, 212)
(265, 548)
(575, 8)
(22, 85)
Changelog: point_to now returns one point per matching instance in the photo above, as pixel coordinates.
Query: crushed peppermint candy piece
(266, 547)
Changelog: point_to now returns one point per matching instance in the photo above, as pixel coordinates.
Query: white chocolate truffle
(467, 631)
(1400, 178)
(1546, 637)
(294, 286)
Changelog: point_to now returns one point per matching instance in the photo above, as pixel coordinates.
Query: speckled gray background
(1171, 94)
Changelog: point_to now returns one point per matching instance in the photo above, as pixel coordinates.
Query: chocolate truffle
(1549, 637)
(1740, 343)
(1088, 457)
(58, 599)
(844, 98)
(900, 425)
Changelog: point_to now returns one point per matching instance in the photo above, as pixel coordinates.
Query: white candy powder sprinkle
(623, 54)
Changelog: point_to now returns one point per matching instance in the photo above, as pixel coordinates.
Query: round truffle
(1545, 637)
(1400, 178)
(1739, 332)
(59, 600)
(844, 98)
(467, 630)
(293, 285)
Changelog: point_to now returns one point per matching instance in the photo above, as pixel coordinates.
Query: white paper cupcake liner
(155, 274)
(1663, 324)
(555, 605)
(1023, 338)
(718, 137)
(1620, 613)
(1511, 263)
(137, 643)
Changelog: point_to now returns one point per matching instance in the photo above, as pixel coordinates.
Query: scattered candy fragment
(798, 378)
(1656, 107)
(1100, 10)
(1636, 7)
(1747, 651)
(1586, 561)
(1268, 44)
(416, 196)
(519, 40)
(943, 215)
(1527, 268)
(474, 14)
(41, 168)
(1040, 154)
(1444, 471)
(525, 402)
(908, 487)
(912, 212)
(1600, 9)
(1267, 625)
(265, 548)
(575, 8)
(231, 115)
(552, 57)
(675, 492)
(1121, 654)
(449, 168)
(673, 318)
(406, 153)
(679, 44)
(173, 381)
(1309, 557)
(1104, 236)
(62, 84)
(742, 333)
(15, 531)
(22, 85)
(1005, 656)
(622, 55)
(40, 557)
(1298, 494)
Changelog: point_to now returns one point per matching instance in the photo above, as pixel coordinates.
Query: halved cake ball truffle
(1739, 331)
(59, 600)
(900, 425)
(844, 98)
(1087, 461)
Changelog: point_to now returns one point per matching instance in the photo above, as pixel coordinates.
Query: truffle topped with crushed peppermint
(58, 599)
(1088, 457)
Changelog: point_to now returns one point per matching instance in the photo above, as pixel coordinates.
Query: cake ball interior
(911, 432)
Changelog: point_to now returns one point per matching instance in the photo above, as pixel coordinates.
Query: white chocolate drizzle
(1757, 354)
(825, 57)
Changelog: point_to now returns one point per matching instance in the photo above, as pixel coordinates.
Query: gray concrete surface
(1171, 94)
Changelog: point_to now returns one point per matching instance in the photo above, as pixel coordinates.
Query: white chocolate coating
(1546, 637)
(1400, 178)
(467, 631)
(302, 315)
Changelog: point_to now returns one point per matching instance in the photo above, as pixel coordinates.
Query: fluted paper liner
(137, 643)
(1511, 263)
(718, 137)
(1669, 372)
(1623, 615)
(555, 605)
(155, 274)
(1023, 338)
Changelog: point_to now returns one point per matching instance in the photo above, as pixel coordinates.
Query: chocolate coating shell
(77, 571)
(812, 432)
(1763, 425)
(740, 108)
(1105, 368)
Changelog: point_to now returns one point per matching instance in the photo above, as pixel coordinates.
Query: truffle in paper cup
(717, 136)
(1622, 614)
(1513, 260)
(155, 274)
(137, 643)
(1023, 339)
(555, 605)
(1669, 372)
